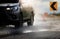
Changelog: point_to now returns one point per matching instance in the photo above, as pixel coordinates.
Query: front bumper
(9, 17)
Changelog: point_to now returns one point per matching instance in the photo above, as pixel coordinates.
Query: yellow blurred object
(53, 6)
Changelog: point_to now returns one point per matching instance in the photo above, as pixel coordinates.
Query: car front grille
(8, 13)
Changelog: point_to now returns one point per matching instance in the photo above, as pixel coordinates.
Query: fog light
(8, 8)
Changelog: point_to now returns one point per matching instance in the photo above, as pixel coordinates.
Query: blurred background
(43, 15)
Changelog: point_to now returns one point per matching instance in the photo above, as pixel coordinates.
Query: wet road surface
(32, 32)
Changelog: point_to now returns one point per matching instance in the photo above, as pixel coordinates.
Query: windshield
(9, 1)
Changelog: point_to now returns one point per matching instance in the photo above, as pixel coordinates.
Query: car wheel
(18, 25)
(20, 22)
(30, 22)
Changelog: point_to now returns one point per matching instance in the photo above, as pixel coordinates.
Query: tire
(30, 22)
(20, 22)
(18, 25)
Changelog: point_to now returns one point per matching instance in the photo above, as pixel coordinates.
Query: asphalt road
(32, 32)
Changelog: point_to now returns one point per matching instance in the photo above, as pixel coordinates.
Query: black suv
(11, 13)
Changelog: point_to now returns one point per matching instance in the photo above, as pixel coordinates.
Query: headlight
(16, 8)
